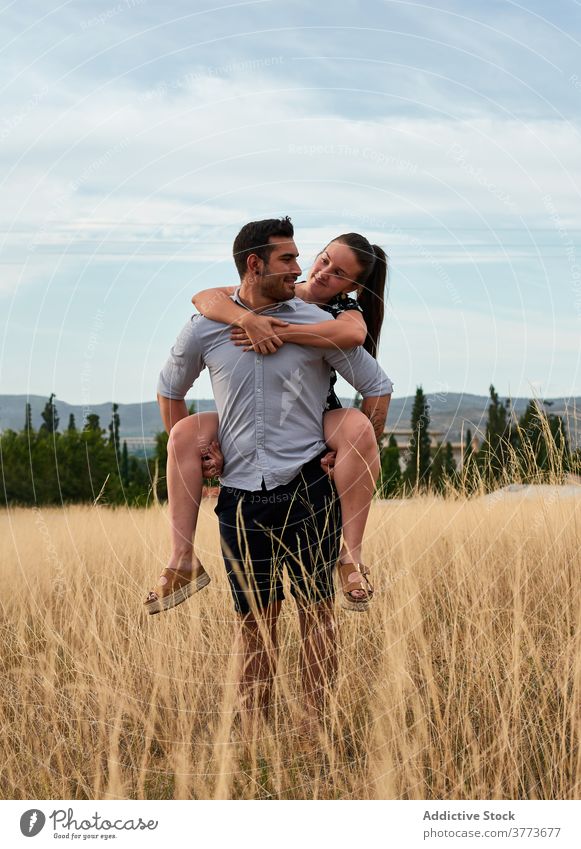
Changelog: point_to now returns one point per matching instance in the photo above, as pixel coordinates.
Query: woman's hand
(212, 460)
(328, 463)
(258, 333)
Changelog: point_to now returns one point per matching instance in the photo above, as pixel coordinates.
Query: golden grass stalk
(462, 682)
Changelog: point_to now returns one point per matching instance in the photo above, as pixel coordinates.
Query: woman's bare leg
(187, 443)
(350, 433)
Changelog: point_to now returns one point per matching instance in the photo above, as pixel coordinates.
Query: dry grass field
(464, 682)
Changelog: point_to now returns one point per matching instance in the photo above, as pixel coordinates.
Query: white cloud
(215, 149)
(137, 140)
(465, 349)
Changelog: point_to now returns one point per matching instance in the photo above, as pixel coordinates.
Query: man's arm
(171, 411)
(361, 370)
(182, 367)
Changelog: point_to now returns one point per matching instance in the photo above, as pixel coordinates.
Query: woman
(349, 264)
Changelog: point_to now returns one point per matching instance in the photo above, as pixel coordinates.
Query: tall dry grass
(463, 682)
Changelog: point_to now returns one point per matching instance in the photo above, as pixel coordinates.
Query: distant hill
(453, 412)
(449, 413)
(136, 419)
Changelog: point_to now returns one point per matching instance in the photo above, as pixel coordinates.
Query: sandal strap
(346, 570)
(175, 579)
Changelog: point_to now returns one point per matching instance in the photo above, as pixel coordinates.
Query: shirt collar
(282, 305)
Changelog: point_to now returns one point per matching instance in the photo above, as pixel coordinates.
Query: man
(276, 505)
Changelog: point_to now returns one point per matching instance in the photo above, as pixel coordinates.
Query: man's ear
(254, 264)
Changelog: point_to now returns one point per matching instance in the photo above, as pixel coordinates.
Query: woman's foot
(356, 588)
(175, 585)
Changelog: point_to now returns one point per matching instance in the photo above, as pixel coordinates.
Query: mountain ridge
(451, 413)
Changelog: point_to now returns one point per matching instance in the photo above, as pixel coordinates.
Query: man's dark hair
(253, 239)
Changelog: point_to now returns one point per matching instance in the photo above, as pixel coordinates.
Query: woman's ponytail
(370, 299)
(373, 262)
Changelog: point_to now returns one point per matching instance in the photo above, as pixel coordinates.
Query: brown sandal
(353, 576)
(174, 587)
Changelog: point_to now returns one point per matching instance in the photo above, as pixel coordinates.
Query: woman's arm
(347, 331)
(217, 305)
(376, 411)
(259, 330)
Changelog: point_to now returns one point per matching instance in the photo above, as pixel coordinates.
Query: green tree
(125, 465)
(158, 466)
(469, 475)
(72, 466)
(114, 428)
(99, 471)
(543, 447)
(15, 456)
(494, 453)
(92, 423)
(45, 487)
(390, 482)
(50, 419)
(69, 467)
(28, 419)
(72, 427)
(468, 447)
(417, 471)
(138, 489)
(443, 466)
(449, 461)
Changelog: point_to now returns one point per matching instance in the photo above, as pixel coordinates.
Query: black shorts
(297, 525)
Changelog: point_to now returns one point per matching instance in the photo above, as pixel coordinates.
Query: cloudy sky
(137, 137)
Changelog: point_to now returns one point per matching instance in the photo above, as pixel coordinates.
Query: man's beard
(272, 286)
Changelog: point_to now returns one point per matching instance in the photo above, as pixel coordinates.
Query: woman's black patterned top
(340, 303)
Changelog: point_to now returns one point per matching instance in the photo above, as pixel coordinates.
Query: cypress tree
(437, 468)
(543, 448)
(470, 473)
(493, 455)
(443, 466)
(390, 469)
(125, 465)
(72, 427)
(468, 449)
(157, 466)
(417, 472)
(50, 419)
(114, 427)
(28, 419)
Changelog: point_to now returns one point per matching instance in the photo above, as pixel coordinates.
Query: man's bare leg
(256, 648)
(318, 656)
(187, 443)
(350, 434)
